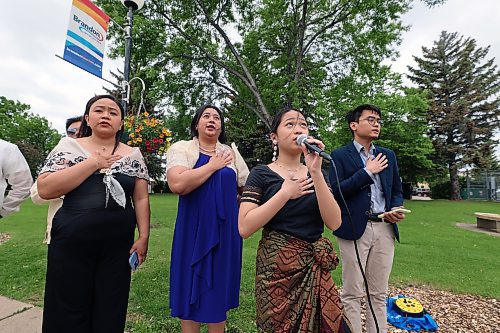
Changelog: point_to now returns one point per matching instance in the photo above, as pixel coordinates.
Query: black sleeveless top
(91, 194)
(299, 217)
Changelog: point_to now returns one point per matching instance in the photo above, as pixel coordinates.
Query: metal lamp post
(132, 5)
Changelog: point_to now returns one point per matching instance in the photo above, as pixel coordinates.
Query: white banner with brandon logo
(86, 36)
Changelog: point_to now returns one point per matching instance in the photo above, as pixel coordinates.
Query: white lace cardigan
(186, 153)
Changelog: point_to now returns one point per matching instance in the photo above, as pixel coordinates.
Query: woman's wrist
(316, 174)
(283, 193)
(95, 162)
(143, 236)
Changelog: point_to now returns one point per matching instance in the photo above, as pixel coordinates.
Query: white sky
(32, 32)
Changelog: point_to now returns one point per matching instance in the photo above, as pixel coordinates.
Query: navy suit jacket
(355, 185)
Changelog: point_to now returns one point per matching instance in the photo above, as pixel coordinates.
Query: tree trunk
(455, 186)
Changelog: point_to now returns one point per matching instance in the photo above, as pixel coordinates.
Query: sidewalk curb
(18, 317)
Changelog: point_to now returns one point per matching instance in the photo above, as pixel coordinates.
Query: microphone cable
(356, 248)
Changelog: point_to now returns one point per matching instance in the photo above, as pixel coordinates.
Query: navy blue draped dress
(205, 267)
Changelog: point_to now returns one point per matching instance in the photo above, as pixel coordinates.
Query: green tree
(464, 110)
(404, 128)
(433, 3)
(255, 57)
(32, 133)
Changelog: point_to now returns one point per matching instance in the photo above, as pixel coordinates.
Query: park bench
(488, 221)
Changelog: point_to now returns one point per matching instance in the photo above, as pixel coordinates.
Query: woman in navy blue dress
(205, 266)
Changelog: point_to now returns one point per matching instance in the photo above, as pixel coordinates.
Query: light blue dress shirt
(377, 194)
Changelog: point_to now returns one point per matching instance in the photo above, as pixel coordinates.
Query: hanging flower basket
(148, 133)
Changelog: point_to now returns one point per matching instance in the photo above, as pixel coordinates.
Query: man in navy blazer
(371, 186)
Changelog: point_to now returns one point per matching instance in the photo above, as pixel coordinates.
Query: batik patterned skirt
(294, 289)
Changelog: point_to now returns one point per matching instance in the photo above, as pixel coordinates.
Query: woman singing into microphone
(292, 202)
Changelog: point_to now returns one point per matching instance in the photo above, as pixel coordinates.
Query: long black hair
(194, 132)
(86, 131)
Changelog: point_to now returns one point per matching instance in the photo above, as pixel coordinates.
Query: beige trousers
(376, 251)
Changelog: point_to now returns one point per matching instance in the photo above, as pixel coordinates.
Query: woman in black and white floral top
(104, 184)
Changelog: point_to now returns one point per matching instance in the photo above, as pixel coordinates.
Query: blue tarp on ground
(409, 323)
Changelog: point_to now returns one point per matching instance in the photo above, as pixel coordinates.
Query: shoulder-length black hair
(72, 120)
(85, 130)
(194, 132)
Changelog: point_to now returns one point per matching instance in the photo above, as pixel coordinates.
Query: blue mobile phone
(133, 261)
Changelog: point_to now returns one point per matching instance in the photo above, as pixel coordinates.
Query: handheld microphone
(302, 139)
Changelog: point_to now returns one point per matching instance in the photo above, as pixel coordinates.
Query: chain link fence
(485, 186)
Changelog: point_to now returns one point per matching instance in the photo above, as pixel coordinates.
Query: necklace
(207, 150)
(101, 148)
(289, 170)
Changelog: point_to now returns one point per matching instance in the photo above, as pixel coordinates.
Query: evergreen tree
(464, 110)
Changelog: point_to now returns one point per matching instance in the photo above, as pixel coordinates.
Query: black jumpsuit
(88, 274)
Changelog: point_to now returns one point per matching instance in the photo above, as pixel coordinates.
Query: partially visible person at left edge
(72, 127)
(104, 183)
(15, 171)
(370, 184)
(205, 267)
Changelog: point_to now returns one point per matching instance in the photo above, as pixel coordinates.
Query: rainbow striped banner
(86, 36)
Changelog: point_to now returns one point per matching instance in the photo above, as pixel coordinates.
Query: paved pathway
(18, 317)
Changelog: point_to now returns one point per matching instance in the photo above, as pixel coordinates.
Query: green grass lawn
(432, 251)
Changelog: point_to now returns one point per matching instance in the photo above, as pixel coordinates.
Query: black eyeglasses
(373, 120)
(71, 131)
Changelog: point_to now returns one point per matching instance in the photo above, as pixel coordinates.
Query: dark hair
(194, 132)
(277, 117)
(354, 114)
(72, 120)
(85, 130)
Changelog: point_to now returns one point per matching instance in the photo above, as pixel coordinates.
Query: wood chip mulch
(4, 237)
(454, 313)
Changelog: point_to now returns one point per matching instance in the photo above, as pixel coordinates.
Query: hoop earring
(275, 150)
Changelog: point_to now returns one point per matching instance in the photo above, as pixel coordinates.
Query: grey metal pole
(468, 183)
(128, 51)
